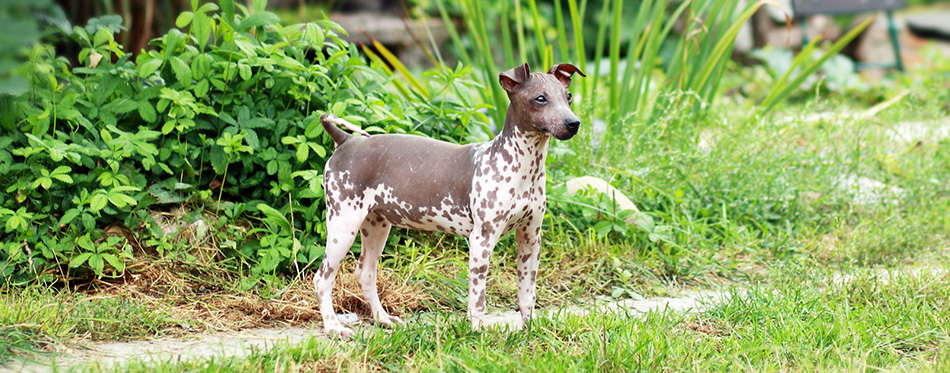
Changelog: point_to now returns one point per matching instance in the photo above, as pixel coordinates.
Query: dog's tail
(339, 136)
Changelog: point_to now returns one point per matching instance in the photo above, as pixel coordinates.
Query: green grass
(801, 319)
(756, 207)
(35, 317)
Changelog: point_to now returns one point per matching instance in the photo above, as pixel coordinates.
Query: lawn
(824, 222)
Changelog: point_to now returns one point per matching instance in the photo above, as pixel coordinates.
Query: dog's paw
(338, 331)
(389, 321)
(479, 324)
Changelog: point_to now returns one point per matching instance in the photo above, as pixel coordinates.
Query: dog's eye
(570, 98)
(541, 100)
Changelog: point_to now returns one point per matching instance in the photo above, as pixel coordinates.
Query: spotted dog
(481, 191)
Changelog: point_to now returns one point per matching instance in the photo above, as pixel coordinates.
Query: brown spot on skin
(485, 254)
(475, 281)
(525, 258)
(480, 269)
(335, 241)
(500, 219)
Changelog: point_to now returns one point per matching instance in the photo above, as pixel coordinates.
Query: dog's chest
(507, 187)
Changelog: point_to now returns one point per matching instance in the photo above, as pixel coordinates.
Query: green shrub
(221, 117)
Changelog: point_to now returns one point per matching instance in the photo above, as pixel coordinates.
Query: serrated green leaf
(201, 27)
(68, 216)
(303, 152)
(227, 7)
(314, 129)
(169, 126)
(200, 66)
(182, 71)
(244, 71)
(258, 19)
(88, 221)
(207, 8)
(121, 200)
(274, 217)
(78, 260)
(315, 34)
(64, 178)
(114, 262)
(102, 36)
(85, 243)
(96, 263)
(98, 202)
(149, 66)
(184, 19)
(123, 106)
(201, 89)
(147, 111)
(317, 148)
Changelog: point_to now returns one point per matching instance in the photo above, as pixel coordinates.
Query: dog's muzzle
(571, 125)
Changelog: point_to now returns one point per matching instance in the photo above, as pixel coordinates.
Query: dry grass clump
(203, 298)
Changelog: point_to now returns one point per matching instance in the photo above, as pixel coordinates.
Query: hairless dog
(480, 191)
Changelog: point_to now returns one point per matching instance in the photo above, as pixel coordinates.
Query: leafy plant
(223, 112)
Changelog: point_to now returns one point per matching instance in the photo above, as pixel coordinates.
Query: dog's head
(540, 102)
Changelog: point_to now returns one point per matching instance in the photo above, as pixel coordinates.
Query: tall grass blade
(612, 83)
(519, 31)
(453, 33)
(389, 72)
(599, 47)
(394, 61)
(634, 48)
(725, 44)
(506, 36)
(780, 92)
(561, 32)
(539, 35)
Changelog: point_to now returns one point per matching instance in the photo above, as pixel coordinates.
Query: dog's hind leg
(341, 232)
(374, 232)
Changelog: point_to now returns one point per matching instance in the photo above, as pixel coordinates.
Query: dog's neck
(519, 146)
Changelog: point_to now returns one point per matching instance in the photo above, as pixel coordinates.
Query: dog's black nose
(572, 124)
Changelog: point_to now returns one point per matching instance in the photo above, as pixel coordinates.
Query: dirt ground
(242, 342)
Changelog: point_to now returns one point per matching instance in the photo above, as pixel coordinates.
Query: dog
(480, 191)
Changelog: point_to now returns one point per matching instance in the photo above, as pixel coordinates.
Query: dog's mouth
(568, 129)
(565, 135)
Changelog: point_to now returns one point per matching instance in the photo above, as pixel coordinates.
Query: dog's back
(410, 181)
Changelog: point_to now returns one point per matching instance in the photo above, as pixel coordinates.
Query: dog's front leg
(480, 249)
(529, 256)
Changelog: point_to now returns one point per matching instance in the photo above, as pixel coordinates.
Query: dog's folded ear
(512, 78)
(564, 71)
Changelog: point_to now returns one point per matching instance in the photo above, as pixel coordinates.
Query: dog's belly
(446, 215)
